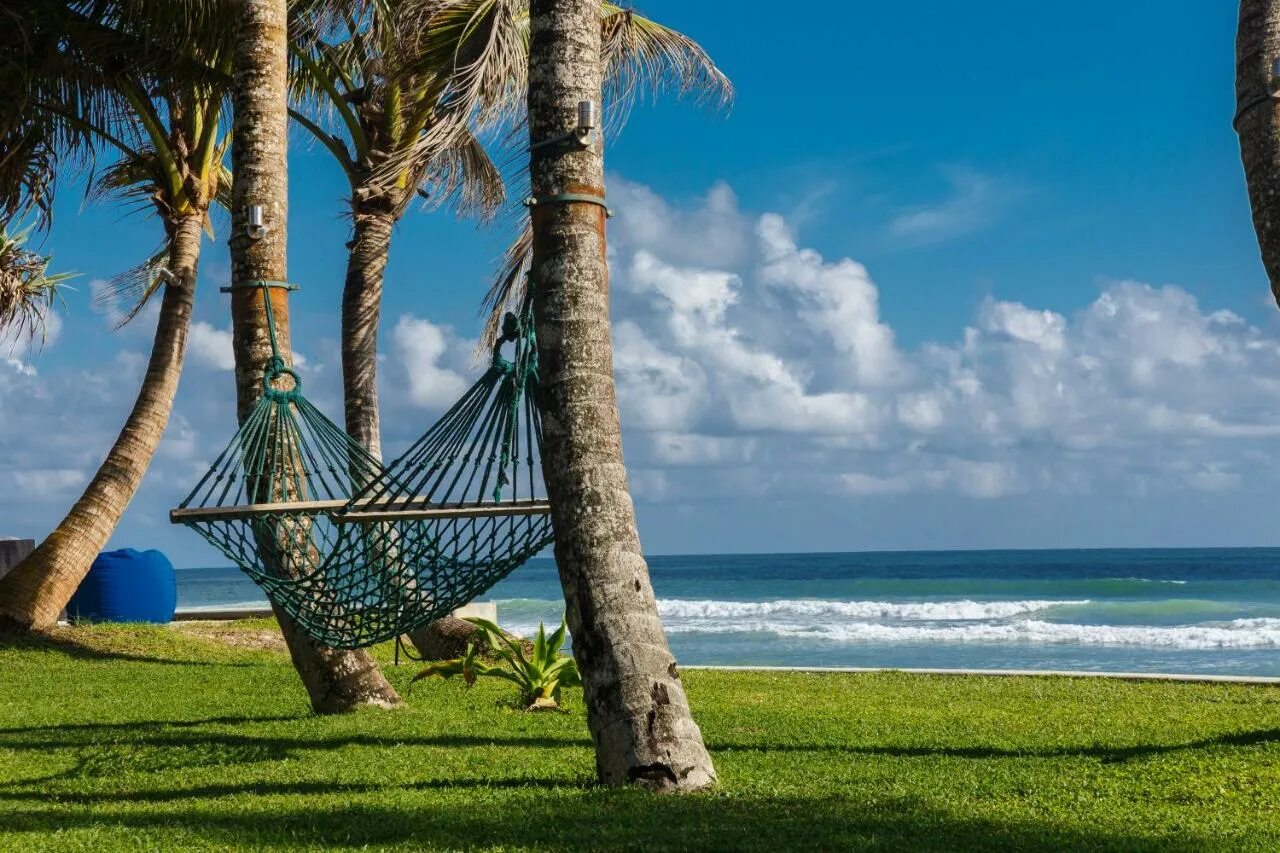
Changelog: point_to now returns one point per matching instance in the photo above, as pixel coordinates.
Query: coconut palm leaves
(133, 89)
(476, 52)
(371, 100)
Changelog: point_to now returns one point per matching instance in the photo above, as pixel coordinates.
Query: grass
(133, 738)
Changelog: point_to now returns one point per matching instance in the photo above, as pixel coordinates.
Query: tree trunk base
(337, 680)
(443, 639)
(12, 629)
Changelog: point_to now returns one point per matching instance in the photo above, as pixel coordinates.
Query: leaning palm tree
(144, 83)
(637, 711)
(1258, 123)
(336, 680)
(398, 97)
(161, 143)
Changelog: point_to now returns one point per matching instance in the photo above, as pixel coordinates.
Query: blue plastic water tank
(126, 586)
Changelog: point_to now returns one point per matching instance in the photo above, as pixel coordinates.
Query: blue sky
(945, 275)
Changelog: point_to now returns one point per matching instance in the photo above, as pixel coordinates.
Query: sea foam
(1236, 634)
(932, 611)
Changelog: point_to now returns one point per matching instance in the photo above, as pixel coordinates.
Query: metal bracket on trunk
(570, 198)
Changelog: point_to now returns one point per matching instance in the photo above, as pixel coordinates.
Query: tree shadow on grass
(182, 734)
(1107, 754)
(287, 789)
(143, 725)
(44, 740)
(578, 818)
(40, 641)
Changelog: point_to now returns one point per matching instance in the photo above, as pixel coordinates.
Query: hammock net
(356, 553)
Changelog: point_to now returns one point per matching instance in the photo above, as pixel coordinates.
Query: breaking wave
(933, 611)
(1236, 634)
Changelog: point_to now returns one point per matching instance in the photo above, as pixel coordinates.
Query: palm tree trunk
(361, 311)
(38, 588)
(1258, 125)
(336, 680)
(637, 711)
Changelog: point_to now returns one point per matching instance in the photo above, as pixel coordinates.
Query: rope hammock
(356, 553)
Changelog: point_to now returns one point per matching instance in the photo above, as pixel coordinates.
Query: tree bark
(38, 588)
(336, 680)
(1258, 125)
(361, 312)
(637, 711)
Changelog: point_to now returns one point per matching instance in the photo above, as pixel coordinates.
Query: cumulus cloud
(425, 351)
(752, 368)
(761, 359)
(211, 347)
(18, 348)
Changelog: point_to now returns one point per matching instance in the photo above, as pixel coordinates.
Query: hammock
(356, 553)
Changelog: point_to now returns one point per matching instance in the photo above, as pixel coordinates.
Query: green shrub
(539, 675)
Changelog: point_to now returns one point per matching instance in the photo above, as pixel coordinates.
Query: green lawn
(142, 738)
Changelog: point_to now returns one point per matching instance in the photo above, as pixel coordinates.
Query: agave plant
(539, 675)
(27, 288)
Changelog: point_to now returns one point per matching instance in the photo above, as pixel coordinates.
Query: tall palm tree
(397, 97)
(368, 99)
(637, 711)
(1258, 124)
(336, 680)
(163, 140)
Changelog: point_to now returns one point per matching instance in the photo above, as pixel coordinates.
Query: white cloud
(771, 365)
(838, 300)
(211, 347)
(752, 369)
(43, 484)
(19, 348)
(976, 200)
(424, 349)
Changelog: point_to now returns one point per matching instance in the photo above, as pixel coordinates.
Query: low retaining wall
(13, 551)
(482, 609)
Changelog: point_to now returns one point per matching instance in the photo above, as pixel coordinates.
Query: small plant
(27, 288)
(539, 675)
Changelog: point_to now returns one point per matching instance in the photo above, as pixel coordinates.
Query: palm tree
(637, 711)
(1258, 124)
(166, 141)
(369, 100)
(336, 680)
(397, 98)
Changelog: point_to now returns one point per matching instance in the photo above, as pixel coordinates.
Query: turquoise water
(1193, 611)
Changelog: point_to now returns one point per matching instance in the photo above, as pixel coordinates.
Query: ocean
(1185, 610)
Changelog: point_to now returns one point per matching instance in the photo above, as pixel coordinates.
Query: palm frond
(510, 286)
(646, 59)
(464, 177)
(643, 59)
(125, 295)
(27, 288)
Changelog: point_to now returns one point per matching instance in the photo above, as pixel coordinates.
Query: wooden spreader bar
(372, 510)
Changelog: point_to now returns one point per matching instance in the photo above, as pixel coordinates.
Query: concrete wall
(12, 551)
